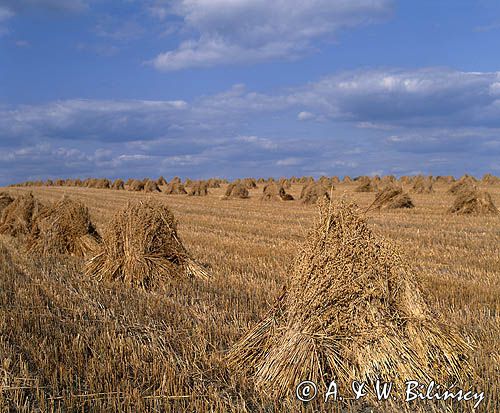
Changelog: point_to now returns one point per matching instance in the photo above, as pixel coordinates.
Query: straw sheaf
(5, 201)
(236, 190)
(392, 197)
(366, 186)
(466, 183)
(151, 186)
(352, 311)
(175, 188)
(422, 185)
(63, 228)
(473, 202)
(275, 192)
(17, 218)
(141, 247)
(118, 185)
(198, 188)
(313, 192)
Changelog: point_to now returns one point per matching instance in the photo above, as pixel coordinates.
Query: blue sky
(231, 88)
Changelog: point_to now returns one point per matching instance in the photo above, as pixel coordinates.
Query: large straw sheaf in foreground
(140, 246)
(63, 228)
(351, 311)
(18, 217)
(473, 202)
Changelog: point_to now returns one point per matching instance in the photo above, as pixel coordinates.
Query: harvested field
(76, 344)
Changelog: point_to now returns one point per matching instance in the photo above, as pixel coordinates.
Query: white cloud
(208, 52)
(289, 162)
(261, 142)
(372, 114)
(305, 116)
(239, 31)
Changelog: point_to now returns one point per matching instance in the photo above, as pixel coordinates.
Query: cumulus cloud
(436, 120)
(384, 99)
(237, 31)
(90, 119)
(380, 100)
(305, 116)
(289, 162)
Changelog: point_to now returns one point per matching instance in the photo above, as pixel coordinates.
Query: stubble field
(73, 344)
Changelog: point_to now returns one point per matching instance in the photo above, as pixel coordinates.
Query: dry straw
(473, 202)
(214, 183)
(311, 193)
(444, 179)
(175, 188)
(140, 246)
(63, 228)
(151, 186)
(250, 183)
(102, 183)
(391, 197)
(466, 183)
(236, 190)
(490, 179)
(275, 192)
(5, 201)
(285, 183)
(161, 181)
(198, 188)
(422, 185)
(18, 217)
(351, 311)
(366, 185)
(135, 185)
(118, 185)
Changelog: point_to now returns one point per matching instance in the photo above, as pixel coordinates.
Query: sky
(236, 88)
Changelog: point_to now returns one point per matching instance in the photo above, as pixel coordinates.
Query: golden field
(69, 343)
